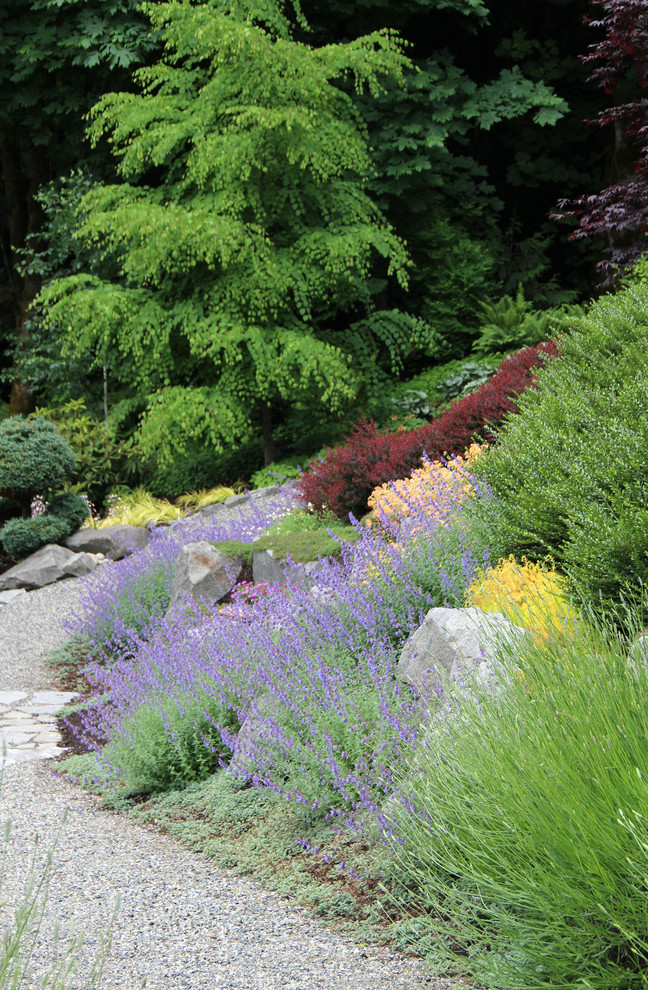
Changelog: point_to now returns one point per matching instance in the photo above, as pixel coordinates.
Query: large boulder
(454, 644)
(113, 541)
(203, 573)
(49, 564)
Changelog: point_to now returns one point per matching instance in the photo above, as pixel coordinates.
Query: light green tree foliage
(245, 237)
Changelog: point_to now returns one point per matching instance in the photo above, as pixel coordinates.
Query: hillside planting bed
(497, 826)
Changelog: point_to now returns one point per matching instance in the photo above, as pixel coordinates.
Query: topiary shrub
(345, 477)
(34, 460)
(70, 507)
(64, 515)
(570, 473)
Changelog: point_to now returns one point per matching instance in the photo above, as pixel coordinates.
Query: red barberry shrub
(344, 478)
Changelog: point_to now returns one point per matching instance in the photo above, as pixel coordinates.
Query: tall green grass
(528, 846)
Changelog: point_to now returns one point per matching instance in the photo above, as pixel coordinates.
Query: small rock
(13, 596)
(237, 499)
(263, 492)
(215, 509)
(268, 569)
(112, 541)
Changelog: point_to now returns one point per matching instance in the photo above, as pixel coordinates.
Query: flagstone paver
(28, 724)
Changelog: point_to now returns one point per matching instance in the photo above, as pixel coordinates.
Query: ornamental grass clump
(525, 827)
(529, 594)
(138, 508)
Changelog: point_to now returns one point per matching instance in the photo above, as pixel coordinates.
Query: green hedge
(570, 473)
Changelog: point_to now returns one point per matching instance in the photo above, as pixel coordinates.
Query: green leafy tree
(247, 245)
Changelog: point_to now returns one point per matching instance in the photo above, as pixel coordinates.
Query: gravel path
(182, 924)
(31, 629)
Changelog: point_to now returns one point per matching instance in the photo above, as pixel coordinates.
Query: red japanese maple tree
(619, 213)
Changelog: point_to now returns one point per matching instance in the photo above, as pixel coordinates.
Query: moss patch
(235, 548)
(302, 548)
(306, 547)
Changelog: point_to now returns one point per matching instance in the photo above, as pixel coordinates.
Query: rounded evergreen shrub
(70, 507)
(65, 514)
(570, 471)
(34, 459)
(20, 537)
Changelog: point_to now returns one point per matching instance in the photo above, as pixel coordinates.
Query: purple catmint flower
(314, 669)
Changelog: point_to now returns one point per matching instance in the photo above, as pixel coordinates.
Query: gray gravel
(182, 924)
(31, 629)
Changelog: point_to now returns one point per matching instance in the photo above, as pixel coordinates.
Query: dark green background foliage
(570, 473)
(56, 59)
(471, 147)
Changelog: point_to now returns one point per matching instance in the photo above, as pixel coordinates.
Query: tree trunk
(268, 442)
(25, 217)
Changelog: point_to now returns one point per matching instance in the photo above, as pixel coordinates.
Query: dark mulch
(5, 560)
(75, 738)
(244, 576)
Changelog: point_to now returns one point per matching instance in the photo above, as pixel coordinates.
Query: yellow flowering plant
(529, 594)
(433, 490)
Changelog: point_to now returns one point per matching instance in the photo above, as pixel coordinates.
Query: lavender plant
(128, 599)
(315, 668)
